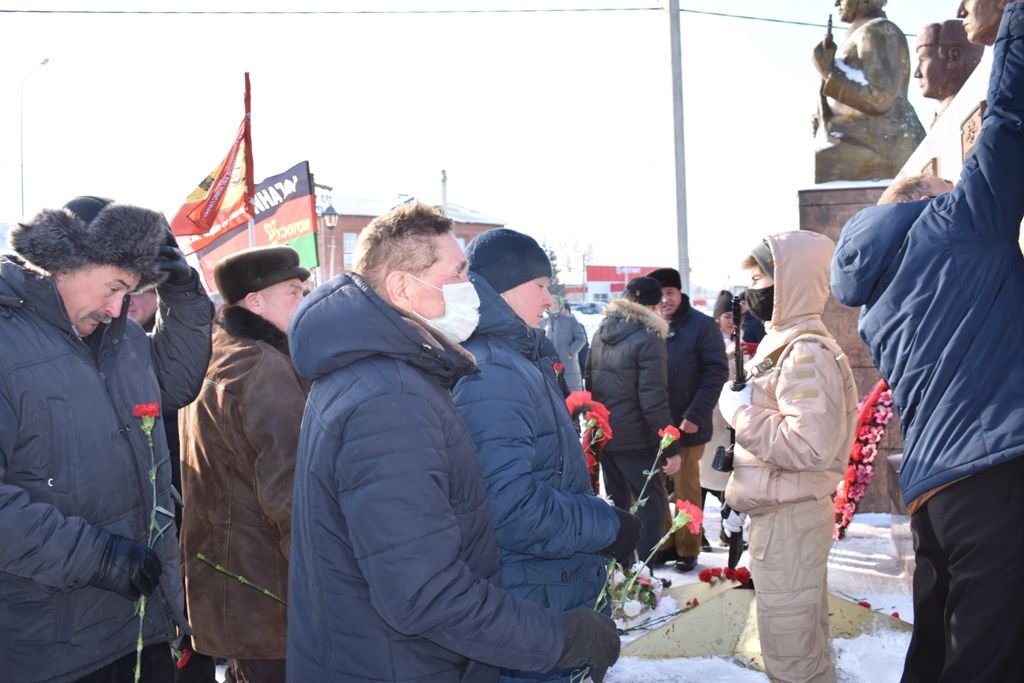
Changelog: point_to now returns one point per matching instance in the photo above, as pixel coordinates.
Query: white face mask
(461, 309)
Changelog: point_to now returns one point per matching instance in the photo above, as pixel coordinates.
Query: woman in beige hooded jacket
(794, 426)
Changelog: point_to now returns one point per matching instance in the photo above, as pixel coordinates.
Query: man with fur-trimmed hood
(238, 449)
(627, 371)
(77, 546)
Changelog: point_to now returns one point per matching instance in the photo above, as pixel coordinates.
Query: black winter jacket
(394, 568)
(697, 369)
(626, 371)
(74, 468)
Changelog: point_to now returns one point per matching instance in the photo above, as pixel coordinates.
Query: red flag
(223, 200)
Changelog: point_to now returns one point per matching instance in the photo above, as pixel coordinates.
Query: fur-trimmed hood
(119, 235)
(623, 317)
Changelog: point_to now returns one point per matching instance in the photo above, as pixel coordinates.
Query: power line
(498, 10)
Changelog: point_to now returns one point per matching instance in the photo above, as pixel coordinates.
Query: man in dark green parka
(76, 495)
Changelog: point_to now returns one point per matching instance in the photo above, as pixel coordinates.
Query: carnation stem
(240, 579)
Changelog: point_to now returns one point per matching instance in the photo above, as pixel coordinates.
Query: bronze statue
(945, 60)
(866, 126)
(981, 19)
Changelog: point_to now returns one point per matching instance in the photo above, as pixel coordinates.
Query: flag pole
(249, 183)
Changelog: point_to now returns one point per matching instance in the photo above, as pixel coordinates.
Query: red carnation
(865, 604)
(558, 368)
(669, 431)
(716, 572)
(896, 615)
(578, 402)
(186, 656)
(146, 410)
(695, 513)
(705, 575)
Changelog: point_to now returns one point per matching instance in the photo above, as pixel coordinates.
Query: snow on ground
(862, 566)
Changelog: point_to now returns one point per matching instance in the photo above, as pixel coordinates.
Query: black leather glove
(127, 568)
(590, 640)
(173, 262)
(624, 545)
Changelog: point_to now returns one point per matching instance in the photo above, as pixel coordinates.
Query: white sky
(558, 123)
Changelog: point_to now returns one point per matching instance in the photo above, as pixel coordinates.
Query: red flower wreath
(875, 414)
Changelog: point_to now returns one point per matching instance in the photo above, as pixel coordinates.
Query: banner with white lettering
(284, 213)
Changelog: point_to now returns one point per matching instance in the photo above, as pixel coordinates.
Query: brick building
(337, 246)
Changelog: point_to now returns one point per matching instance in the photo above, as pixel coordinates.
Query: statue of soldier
(866, 126)
(981, 19)
(945, 60)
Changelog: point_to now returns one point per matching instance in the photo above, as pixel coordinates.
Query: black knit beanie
(506, 258)
(723, 304)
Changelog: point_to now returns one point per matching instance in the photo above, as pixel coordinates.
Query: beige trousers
(686, 486)
(789, 562)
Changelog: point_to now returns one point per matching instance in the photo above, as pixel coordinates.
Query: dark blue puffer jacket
(550, 526)
(393, 567)
(941, 283)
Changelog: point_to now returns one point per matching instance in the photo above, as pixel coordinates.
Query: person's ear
(253, 301)
(953, 57)
(396, 286)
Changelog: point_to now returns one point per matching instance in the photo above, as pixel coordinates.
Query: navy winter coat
(549, 525)
(74, 468)
(941, 283)
(697, 369)
(393, 570)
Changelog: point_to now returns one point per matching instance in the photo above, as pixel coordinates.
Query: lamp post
(21, 127)
(329, 219)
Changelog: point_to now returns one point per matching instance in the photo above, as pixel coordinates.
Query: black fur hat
(251, 270)
(667, 277)
(94, 231)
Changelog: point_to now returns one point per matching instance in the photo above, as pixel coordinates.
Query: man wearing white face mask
(390, 520)
(553, 533)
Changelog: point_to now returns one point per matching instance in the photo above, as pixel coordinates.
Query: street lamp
(21, 128)
(329, 220)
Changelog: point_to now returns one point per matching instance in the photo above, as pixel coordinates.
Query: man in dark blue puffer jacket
(941, 282)
(394, 573)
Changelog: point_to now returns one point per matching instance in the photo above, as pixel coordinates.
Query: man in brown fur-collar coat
(238, 461)
(627, 371)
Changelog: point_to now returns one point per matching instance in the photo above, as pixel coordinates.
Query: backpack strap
(775, 357)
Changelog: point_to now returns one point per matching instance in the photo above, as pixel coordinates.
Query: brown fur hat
(251, 270)
(93, 231)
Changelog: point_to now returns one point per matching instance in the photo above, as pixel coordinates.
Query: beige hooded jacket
(793, 441)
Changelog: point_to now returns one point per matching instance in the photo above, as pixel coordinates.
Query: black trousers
(623, 478)
(969, 584)
(157, 667)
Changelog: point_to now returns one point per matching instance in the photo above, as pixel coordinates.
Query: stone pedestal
(825, 209)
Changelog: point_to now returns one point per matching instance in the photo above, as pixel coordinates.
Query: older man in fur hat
(238, 448)
(77, 544)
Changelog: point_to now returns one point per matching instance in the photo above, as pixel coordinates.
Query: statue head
(981, 19)
(945, 59)
(849, 10)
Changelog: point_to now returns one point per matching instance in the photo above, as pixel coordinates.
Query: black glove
(173, 262)
(624, 545)
(590, 640)
(127, 568)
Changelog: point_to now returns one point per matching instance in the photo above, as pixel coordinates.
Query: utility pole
(21, 128)
(444, 191)
(680, 145)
